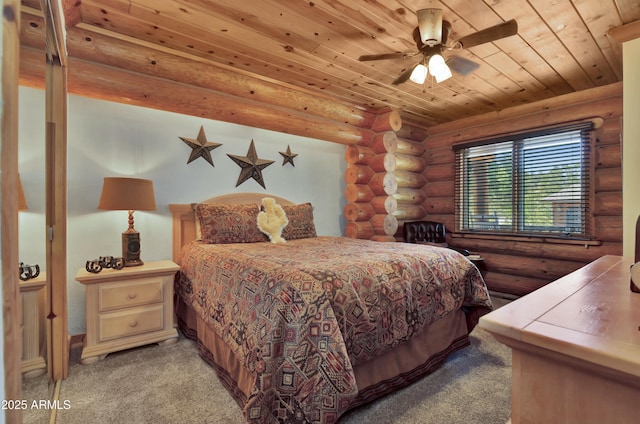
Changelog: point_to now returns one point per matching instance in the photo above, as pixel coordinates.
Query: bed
(305, 330)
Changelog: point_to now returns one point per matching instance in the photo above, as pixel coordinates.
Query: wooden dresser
(128, 308)
(575, 346)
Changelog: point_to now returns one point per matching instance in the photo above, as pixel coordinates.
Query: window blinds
(532, 183)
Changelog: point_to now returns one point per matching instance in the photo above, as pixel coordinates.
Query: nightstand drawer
(143, 291)
(130, 322)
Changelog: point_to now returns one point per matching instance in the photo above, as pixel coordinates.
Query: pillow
(300, 222)
(235, 223)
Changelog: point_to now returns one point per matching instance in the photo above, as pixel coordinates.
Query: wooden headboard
(184, 220)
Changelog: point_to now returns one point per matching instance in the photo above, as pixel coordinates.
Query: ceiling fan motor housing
(430, 24)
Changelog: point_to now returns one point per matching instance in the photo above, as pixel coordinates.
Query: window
(530, 184)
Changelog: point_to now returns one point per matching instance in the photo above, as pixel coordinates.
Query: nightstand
(32, 323)
(478, 261)
(128, 308)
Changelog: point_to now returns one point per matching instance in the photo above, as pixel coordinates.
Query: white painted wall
(631, 145)
(111, 139)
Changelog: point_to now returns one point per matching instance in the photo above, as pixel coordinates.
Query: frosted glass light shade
(444, 75)
(419, 74)
(437, 65)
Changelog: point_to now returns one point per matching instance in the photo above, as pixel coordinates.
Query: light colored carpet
(172, 384)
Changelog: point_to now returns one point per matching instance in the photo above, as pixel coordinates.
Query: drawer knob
(133, 295)
(133, 323)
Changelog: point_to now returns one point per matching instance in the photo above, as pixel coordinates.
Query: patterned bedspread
(302, 314)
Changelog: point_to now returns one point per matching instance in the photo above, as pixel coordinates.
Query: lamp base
(131, 248)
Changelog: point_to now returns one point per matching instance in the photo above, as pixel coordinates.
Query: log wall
(518, 265)
(384, 179)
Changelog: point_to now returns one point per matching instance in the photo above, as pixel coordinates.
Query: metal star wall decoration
(200, 147)
(288, 157)
(251, 166)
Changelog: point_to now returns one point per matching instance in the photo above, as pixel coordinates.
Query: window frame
(587, 129)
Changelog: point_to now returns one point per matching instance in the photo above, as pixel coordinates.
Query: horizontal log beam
(440, 205)
(523, 113)
(409, 163)
(407, 212)
(384, 204)
(358, 174)
(384, 162)
(608, 203)
(388, 120)
(609, 156)
(154, 62)
(542, 268)
(409, 147)
(385, 238)
(111, 84)
(358, 155)
(412, 131)
(384, 142)
(358, 193)
(513, 284)
(439, 172)
(410, 179)
(608, 179)
(384, 225)
(358, 211)
(384, 183)
(359, 230)
(413, 196)
(534, 248)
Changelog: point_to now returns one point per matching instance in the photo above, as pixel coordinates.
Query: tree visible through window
(534, 183)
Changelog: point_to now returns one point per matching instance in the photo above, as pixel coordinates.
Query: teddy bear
(272, 220)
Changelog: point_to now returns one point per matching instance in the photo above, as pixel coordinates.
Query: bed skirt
(389, 372)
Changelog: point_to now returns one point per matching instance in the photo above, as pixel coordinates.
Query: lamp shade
(133, 194)
(22, 200)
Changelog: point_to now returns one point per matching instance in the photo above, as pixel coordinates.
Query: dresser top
(590, 314)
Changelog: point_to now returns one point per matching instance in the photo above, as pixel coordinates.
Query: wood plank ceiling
(561, 47)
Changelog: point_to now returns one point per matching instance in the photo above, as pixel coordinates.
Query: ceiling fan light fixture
(430, 26)
(444, 75)
(437, 65)
(419, 74)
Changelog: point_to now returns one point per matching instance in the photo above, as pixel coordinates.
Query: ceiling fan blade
(396, 55)
(461, 65)
(487, 35)
(405, 75)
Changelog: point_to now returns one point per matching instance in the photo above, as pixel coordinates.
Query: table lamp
(129, 194)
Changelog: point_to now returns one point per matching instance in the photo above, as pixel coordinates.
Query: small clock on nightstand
(128, 308)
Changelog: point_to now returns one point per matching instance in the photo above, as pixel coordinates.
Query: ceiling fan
(432, 38)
